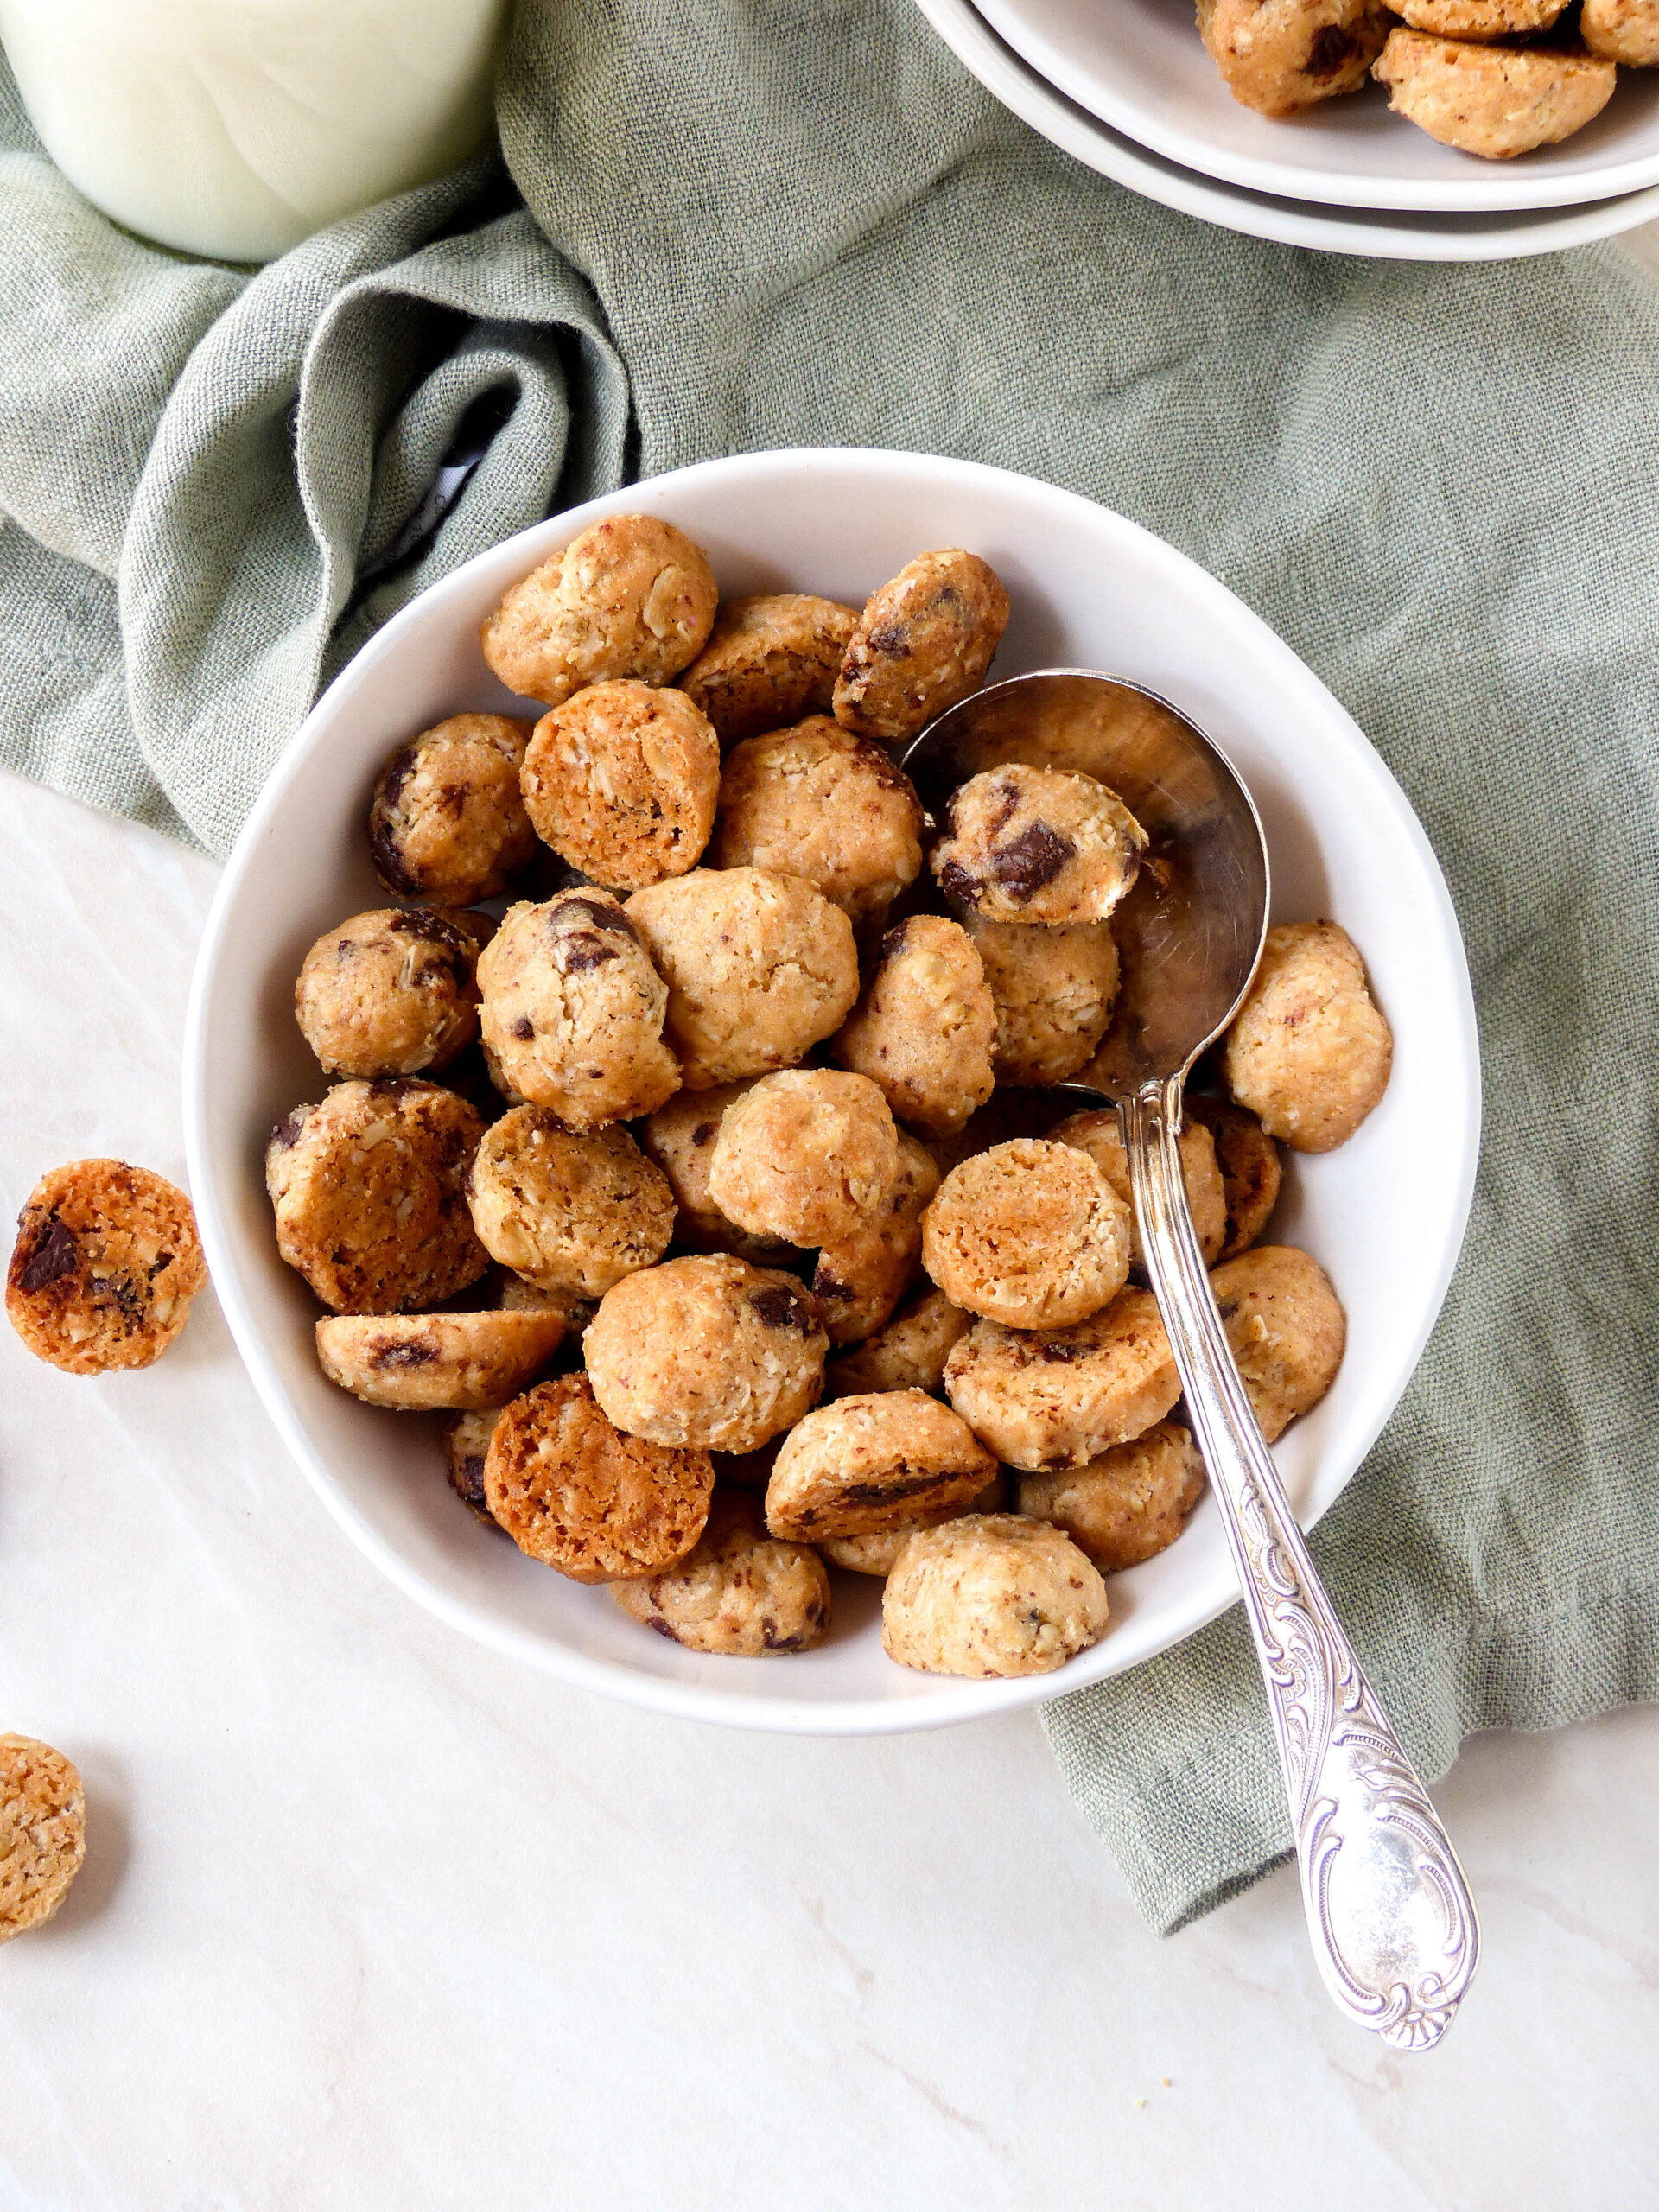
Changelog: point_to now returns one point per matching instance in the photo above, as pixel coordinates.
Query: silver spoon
(1393, 1927)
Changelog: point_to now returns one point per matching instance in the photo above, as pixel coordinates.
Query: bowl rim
(964, 1700)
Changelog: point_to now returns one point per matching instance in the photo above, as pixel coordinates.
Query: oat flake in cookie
(1034, 845)
(447, 821)
(106, 1262)
(991, 1594)
(42, 1833)
(740, 1592)
(923, 642)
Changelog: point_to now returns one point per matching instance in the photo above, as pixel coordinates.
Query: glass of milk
(235, 128)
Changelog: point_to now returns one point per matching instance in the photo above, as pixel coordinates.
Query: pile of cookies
(703, 1192)
(1495, 78)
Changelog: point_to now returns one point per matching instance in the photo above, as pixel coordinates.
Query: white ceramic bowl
(1385, 1215)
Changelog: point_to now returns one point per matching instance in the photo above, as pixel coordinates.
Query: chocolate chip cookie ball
(991, 1594)
(861, 1277)
(621, 781)
(1098, 1134)
(760, 969)
(573, 1011)
(106, 1262)
(369, 1191)
(924, 1028)
(426, 1362)
(1280, 55)
(1030, 1234)
(1046, 1398)
(42, 1832)
(817, 802)
(579, 1495)
(630, 596)
(865, 1463)
(807, 1156)
(739, 1592)
(1250, 1171)
(1309, 1052)
(448, 822)
(392, 992)
(923, 642)
(572, 1211)
(908, 1354)
(680, 1138)
(1494, 101)
(1286, 1329)
(1038, 845)
(1053, 991)
(1620, 31)
(769, 660)
(709, 1352)
(1128, 1505)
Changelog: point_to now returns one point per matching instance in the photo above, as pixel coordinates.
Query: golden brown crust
(924, 641)
(740, 1592)
(1251, 1171)
(42, 1832)
(391, 992)
(1097, 1132)
(1493, 101)
(867, 1462)
(621, 781)
(907, 1354)
(991, 1594)
(572, 1211)
(924, 1028)
(1278, 55)
(818, 802)
(770, 659)
(1030, 1234)
(1622, 31)
(1038, 845)
(1048, 1398)
(1286, 1329)
(1128, 1505)
(428, 1363)
(106, 1262)
(861, 1278)
(447, 821)
(810, 1156)
(1053, 991)
(1309, 1052)
(1480, 19)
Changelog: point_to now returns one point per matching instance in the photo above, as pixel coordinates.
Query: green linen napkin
(797, 224)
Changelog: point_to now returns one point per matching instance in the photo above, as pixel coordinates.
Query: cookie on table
(740, 1592)
(877, 1551)
(680, 1138)
(466, 1446)
(818, 802)
(621, 781)
(1046, 1398)
(1280, 55)
(1490, 100)
(573, 1010)
(991, 1594)
(1287, 1328)
(572, 1211)
(1251, 1171)
(924, 1028)
(391, 992)
(106, 1262)
(1030, 1234)
(867, 1462)
(908, 1354)
(630, 596)
(448, 822)
(709, 1352)
(1053, 991)
(42, 1833)
(369, 1191)
(924, 641)
(759, 968)
(808, 1156)
(1622, 31)
(579, 1495)
(770, 659)
(861, 1278)
(1480, 19)
(1096, 1132)
(434, 1363)
(1029, 845)
(1128, 1505)
(1309, 1052)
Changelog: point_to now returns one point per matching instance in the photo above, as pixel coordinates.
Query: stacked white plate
(1126, 86)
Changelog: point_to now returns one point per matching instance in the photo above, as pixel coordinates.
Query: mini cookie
(1032, 845)
(1622, 31)
(369, 1190)
(740, 1592)
(864, 1464)
(1126, 1506)
(1286, 1329)
(391, 992)
(1494, 101)
(1309, 1052)
(822, 803)
(573, 1011)
(1053, 990)
(630, 596)
(1030, 1234)
(466, 1446)
(1280, 55)
(908, 1354)
(760, 969)
(808, 1157)
(1060, 1398)
(430, 1362)
(861, 1278)
(769, 660)
(1250, 1170)
(621, 781)
(877, 1553)
(1097, 1132)
(106, 1262)
(991, 1594)
(520, 1296)
(709, 1352)
(572, 1211)
(680, 1138)
(578, 1495)
(923, 642)
(1480, 19)
(447, 821)
(924, 1028)
(42, 1833)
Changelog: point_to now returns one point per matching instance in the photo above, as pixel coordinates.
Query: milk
(236, 128)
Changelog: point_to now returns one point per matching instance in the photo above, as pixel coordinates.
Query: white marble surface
(370, 1918)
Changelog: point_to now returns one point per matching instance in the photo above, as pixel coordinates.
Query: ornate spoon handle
(1392, 1925)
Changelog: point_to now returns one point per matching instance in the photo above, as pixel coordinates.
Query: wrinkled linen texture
(794, 226)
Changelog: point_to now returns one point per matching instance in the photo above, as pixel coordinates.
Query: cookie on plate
(1287, 1328)
(877, 1551)
(42, 1833)
(1044, 1398)
(991, 1594)
(1251, 1173)
(1490, 100)
(770, 659)
(1096, 1132)
(924, 641)
(426, 1363)
(1030, 1234)
(680, 1138)
(621, 782)
(1309, 1052)
(572, 1211)
(106, 1262)
(466, 1446)
(808, 1156)
(1053, 991)
(908, 1354)
(1480, 19)
(1280, 55)
(1622, 31)
(818, 802)
(447, 821)
(738, 1592)
(865, 1463)
(924, 1028)
(1030, 845)
(1128, 1505)
(391, 992)
(861, 1277)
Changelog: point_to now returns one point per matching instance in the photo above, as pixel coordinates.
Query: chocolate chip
(1034, 858)
(597, 916)
(524, 1029)
(1332, 46)
(468, 1478)
(432, 929)
(781, 1309)
(287, 1131)
(956, 883)
(1227, 1307)
(57, 1253)
(581, 949)
(892, 638)
(397, 1354)
(1008, 794)
(703, 1131)
(1058, 1355)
